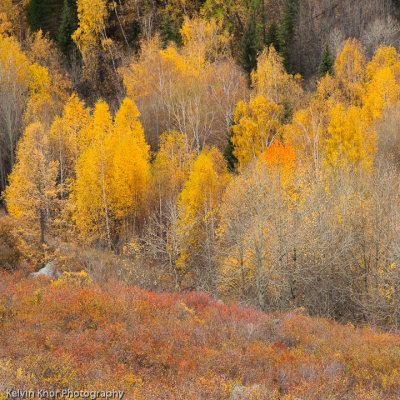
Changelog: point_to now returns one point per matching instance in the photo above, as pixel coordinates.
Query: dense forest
(240, 150)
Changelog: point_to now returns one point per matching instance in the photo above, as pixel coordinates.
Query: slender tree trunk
(120, 25)
(42, 226)
(105, 203)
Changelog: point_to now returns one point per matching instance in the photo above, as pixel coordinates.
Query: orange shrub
(156, 345)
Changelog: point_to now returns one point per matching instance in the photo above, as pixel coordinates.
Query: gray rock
(243, 392)
(49, 271)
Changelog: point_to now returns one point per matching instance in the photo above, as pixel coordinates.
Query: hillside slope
(373, 22)
(70, 334)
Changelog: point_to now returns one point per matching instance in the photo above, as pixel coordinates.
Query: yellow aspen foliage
(383, 77)
(91, 195)
(307, 132)
(13, 17)
(13, 62)
(130, 170)
(92, 214)
(41, 50)
(39, 81)
(205, 41)
(350, 69)
(31, 195)
(351, 142)
(272, 81)
(112, 173)
(189, 99)
(199, 204)
(384, 57)
(256, 126)
(171, 166)
(175, 92)
(237, 272)
(6, 7)
(59, 149)
(40, 102)
(76, 115)
(173, 58)
(129, 177)
(91, 14)
(65, 138)
(127, 121)
(139, 80)
(14, 79)
(328, 92)
(96, 47)
(100, 126)
(74, 119)
(382, 93)
(203, 190)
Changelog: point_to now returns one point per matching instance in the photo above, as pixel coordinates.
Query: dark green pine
(228, 153)
(273, 36)
(326, 65)
(46, 15)
(249, 48)
(169, 32)
(38, 16)
(68, 26)
(286, 32)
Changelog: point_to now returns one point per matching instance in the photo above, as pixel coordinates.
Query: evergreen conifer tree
(272, 36)
(68, 26)
(37, 14)
(287, 111)
(228, 153)
(286, 32)
(169, 32)
(249, 47)
(326, 65)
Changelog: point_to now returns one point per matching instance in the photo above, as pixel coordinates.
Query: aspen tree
(91, 197)
(350, 71)
(31, 195)
(14, 93)
(171, 167)
(351, 142)
(256, 127)
(272, 81)
(199, 203)
(130, 169)
(68, 139)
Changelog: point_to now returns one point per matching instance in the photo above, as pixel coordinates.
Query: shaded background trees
(319, 22)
